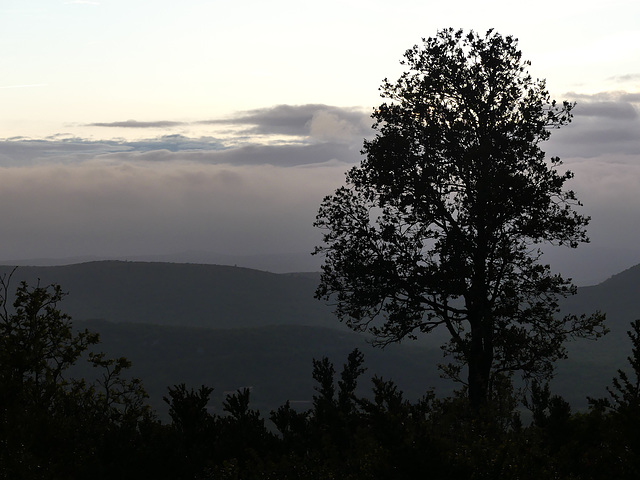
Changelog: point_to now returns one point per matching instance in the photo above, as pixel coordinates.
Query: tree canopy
(441, 224)
(53, 426)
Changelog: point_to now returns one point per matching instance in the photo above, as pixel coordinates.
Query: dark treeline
(55, 427)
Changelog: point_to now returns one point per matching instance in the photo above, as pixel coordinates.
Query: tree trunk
(479, 368)
(480, 320)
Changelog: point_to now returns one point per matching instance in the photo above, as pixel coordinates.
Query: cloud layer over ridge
(252, 183)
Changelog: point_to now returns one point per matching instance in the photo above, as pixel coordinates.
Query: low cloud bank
(67, 197)
(135, 208)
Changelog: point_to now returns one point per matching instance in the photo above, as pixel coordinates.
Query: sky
(132, 128)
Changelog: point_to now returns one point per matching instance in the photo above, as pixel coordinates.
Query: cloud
(608, 186)
(326, 125)
(176, 143)
(630, 77)
(26, 152)
(605, 123)
(322, 122)
(281, 123)
(136, 124)
(274, 155)
(613, 96)
(69, 196)
(285, 155)
(602, 148)
(172, 148)
(122, 208)
(608, 109)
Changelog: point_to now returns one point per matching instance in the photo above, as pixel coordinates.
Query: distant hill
(230, 327)
(275, 362)
(276, 263)
(592, 365)
(217, 296)
(619, 296)
(211, 296)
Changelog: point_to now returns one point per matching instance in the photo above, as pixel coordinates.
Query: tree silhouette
(53, 425)
(624, 395)
(440, 224)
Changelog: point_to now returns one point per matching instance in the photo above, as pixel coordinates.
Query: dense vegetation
(183, 294)
(270, 348)
(439, 227)
(463, 194)
(53, 426)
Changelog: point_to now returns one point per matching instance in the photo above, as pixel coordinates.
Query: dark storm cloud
(136, 124)
(301, 120)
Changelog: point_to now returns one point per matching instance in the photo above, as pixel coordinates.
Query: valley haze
(139, 130)
(254, 194)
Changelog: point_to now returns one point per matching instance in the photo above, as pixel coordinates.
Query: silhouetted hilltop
(618, 296)
(212, 296)
(227, 326)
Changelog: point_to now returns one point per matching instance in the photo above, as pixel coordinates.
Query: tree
(441, 223)
(37, 342)
(37, 346)
(625, 393)
(622, 443)
(51, 425)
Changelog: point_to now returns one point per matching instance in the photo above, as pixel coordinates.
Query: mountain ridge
(119, 298)
(217, 296)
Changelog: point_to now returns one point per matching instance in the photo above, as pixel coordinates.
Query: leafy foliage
(622, 442)
(70, 429)
(624, 395)
(439, 225)
(37, 341)
(52, 426)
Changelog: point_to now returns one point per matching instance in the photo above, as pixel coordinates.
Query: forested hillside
(54, 424)
(229, 327)
(183, 294)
